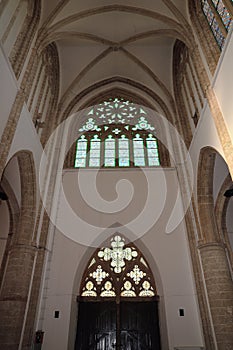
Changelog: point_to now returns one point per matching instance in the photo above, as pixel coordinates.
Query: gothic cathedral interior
(116, 126)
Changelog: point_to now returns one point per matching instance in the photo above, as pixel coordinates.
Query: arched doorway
(118, 302)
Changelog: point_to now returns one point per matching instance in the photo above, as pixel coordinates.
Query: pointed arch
(212, 250)
(129, 85)
(205, 193)
(25, 37)
(221, 210)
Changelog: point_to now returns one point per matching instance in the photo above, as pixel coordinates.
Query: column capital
(211, 245)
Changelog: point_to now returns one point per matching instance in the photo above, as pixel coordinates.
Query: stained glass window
(223, 12)
(94, 160)
(120, 142)
(152, 150)
(123, 146)
(118, 269)
(214, 10)
(138, 151)
(109, 151)
(81, 153)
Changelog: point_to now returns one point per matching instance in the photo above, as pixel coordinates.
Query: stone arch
(205, 194)
(216, 273)
(130, 85)
(117, 86)
(49, 59)
(25, 37)
(119, 8)
(15, 288)
(28, 191)
(180, 59)
(221, 210)
(14, 212)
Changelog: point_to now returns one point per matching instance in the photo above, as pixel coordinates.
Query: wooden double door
(118, 326)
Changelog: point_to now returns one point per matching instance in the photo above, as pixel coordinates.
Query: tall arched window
(118, 302)
(218, 17)
(117, 134)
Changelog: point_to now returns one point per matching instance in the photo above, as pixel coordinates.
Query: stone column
(220, 292)
(14, 294)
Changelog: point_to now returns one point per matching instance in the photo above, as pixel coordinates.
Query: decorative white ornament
(117, 254)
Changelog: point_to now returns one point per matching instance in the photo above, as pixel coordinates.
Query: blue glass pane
(153, 162)
(151, 144)
(138, 144)
(95, 145)
(207, 11)
(224, 14)
(81, 154)
(109, 153)
(139, 161)
(210, 16)
(152, 152)
(138, 152)
(82, 145)
(94, 162)
(94, 153)
(217, 33)
(80, 163)
(123, 161)
(123, 143)
(109, 162)
(123, 153)
(109, 144)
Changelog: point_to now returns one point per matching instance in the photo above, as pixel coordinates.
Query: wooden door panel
(138, 326)
(96, 326)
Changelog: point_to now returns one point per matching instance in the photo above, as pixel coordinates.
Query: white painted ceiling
(102, 39)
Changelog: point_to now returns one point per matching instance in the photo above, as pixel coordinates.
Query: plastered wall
(167, 254)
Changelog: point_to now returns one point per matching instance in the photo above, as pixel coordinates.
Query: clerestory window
(218, 17)
(117, 134)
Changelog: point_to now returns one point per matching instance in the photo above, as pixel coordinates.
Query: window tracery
(118, 270)
(216, 13)
(117, 142)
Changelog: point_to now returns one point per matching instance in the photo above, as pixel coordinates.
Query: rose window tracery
(116, 133)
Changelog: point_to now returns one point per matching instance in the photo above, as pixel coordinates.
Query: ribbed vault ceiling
(99, 40)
